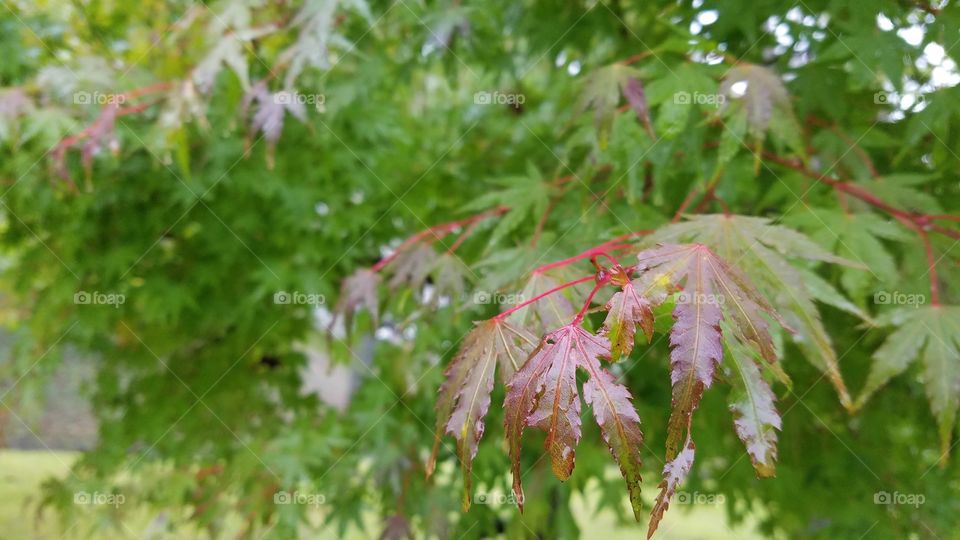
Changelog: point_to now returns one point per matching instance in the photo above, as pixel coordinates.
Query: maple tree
(701, 243)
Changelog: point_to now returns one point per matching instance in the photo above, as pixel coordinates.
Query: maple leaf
(543, 394)
(758, 95)
(358, 291)
(627, 311)
(755, 416)
(412, 266)
(527, 197)
(317, 23)
(271, 109)
(464, 396)
(14, 103)
(675, 471)
(761, 250)
(231, 32)
(602, 91)
(711, 292)
(448, 274)
(931, 333)
(550, 311)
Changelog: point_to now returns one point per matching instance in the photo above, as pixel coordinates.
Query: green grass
(22, 472)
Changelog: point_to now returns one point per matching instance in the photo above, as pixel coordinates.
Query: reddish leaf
(465, 394)
(619, 425)
(412, 267)
(627, 311)
(543, 394)
(358, 291)
(674, 473)
(711, 292)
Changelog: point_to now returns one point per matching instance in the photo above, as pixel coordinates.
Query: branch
(614, 244)
(438, 232)
(920, 223)
(541, 295)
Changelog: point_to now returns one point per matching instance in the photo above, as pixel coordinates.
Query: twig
(541, 295)
(438, 231)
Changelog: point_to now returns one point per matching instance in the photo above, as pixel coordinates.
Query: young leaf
(465, 393)
(627, 311)
(933, 333)
(543, 394)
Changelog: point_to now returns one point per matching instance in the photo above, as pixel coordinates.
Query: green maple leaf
(931, 333)
(757, 95)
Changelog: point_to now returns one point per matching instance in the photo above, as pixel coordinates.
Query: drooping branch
(918, 222)
(614, 244)
(526, 303)
(438, 232)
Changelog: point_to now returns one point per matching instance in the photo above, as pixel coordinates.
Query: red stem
(613, 244)
(463, 236)
(586, 304)
(541, 295)
(931, 266)
(438, 231)
(918, 222)
(944, 216)
(683, 206)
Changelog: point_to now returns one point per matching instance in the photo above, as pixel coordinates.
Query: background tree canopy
(733, 221)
